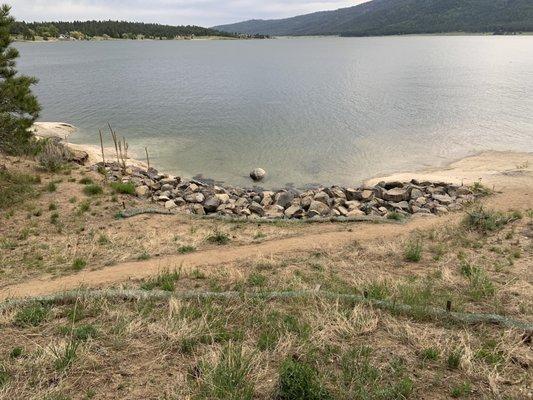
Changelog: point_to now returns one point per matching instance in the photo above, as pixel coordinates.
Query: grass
(84, 207)
(51, 187)
(396, 216)
(413, 251)
(93, 190)
(65, 357)
(16, 188)
(454, 359)
(32, 315)
(430, 354)
(166, 281)
(484, 221)
(300, 381)
(123, 188)
(143, 256)
(78, 264)
(462, 390)
(219, 238)
(228, 378)
(86, 181)
(186, 249)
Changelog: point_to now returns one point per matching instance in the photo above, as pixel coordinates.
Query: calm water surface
(310, 110)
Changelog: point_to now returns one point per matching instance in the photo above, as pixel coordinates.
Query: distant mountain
(390, 17)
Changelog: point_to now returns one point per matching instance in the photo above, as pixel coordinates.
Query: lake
(308, 110)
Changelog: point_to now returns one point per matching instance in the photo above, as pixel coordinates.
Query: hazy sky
(175, 12)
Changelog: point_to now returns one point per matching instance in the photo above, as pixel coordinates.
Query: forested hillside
(113, 29)
(389, 17)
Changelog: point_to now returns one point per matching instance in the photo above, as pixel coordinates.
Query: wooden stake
(114, 137)
(102, 146)
(449, 305)
(147, 157)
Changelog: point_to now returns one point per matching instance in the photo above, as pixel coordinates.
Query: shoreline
(427, 192)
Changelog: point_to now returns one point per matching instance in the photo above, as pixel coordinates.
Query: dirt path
(502, 170)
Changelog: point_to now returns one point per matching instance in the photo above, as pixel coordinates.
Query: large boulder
(142, 191)
(211, 204)
(322, 197)
(396, 195)
(284, 199)
(319, 208)
(443, 199)
(294, 212)
(258, 174)
(194, 198)
(256, 208)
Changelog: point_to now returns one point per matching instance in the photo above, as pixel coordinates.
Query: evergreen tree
(18, 106)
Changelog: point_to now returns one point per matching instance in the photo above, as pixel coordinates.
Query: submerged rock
(258, 174)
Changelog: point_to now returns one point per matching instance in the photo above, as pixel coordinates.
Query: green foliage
(65, 358)
(454, 359)
(51, 187)
(430, 354)
(462, 390)
(396, 216)
(413, 250)
(31, 315)
(86, 181)
(4, 376)
(15, 188)
(166, 280)
(53, 156)
(78, 264)
(228, 378)
(300, 381)
(19, 108)
(186, 249)
(485, 221)
(123, 188)
(16, 352)
(219, 238)
(93, 190)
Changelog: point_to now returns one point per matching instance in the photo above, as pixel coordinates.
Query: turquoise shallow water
(308, 110)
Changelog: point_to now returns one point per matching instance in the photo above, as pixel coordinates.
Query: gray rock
(294, 212)
(223, 197)
(396, 195)
(392, 185)
(167, 187)
(284, 199)
(211, 204)
(194, 198)
(258, 174)
(402, 205)
(142, 191)
(323, 197)
(443, 198)
(335, 192)
(256, 208)
(352, 205)
(416, 193)
(198, 209)
(170, 204)
(306, 202)
(180, 201)
(355, 213)
(318, 207)
(274, 211)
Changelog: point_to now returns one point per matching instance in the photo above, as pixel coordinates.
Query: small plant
(479, 189)
(103, 239)
(31, 315)
(65, 358)
(84, 332)
(4, 376)
(93, 190)
(143, 256)
(86, 181)
(78, 264)
(430, 354)
(487, 221)
(166, 281)
(16, 352)
(84, 207)
(123, 188)
(259, 235)
(52, 207)
(186, 249)
(396, 216)
(219, 238)
(15, 188)
(54, 218)
(72, 200)
(53, 157)
(51, 187)
(454, 359)
(462, 390)
(298, 380)
(413, 251)
(257, 279)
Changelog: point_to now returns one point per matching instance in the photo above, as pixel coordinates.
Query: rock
(256, 208)
(441, 210)
(342, 210)
(392, 185)
(443, 198)
(168, 181)
(142, 191)
(193, 187)
(241, 202)
(319, 208)
(355, 213)
(194, 198)
(153, 174)
(396, 195)
(335, 192)
(383, 211)
(463, 191)
(180, 201)
(170, 204)
(78, 156)
(274, 211)
(267, 200)
(352, 194)
(284, 199)
(198, 209)
(416, 193)
(167, 187)
(163, 198)
(222, 197)
(211, 204)
(306, 202)
(323, 197)
(294, 212)
(366, 195)
(352, 205)
(258, 174)
(402, 205)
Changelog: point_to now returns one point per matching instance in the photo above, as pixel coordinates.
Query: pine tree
(19, 108)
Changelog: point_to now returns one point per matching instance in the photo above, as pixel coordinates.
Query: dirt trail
(512, 173)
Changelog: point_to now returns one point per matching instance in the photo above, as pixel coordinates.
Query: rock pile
(193, 196)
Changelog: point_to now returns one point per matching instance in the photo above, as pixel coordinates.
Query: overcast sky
(174, 12)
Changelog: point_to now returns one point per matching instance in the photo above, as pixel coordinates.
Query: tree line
(112, 29)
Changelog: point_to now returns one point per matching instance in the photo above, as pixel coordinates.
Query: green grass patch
(300, 381)
(93, 190)
(186, 249)
(164, 281)
(413, 251)
(86, 181)
(78, 264)
(16, 188)
(484, 221)
(219, 238)
(123, 188)
(32, 315)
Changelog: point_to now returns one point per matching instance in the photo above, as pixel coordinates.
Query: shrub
(31, 315)
(86, 181)
(78, 264)
(300, 381)
(16, 352)
(413, 251)
(53, 157)
(219, 238)
(123, 188)
(186, 249)
(15, 188)
(487, 221)
(93, 190)
(65, 358)
(51, 187)
(396, 216)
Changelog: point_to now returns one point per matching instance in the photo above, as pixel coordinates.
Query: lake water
(308, 110)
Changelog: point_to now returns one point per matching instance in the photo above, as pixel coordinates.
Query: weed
(51, 187)
(300, 381)
(16, 352)
(487, 221)
(462, 390)
(413, 251)
(15, 188)
(78, 264)
(72, 200)
(257, 280)
(479, 189)
(103, 239)
(65, 358)
(143, 256)
(93, 190)
(4, 376)
(84, 207)
(430, 354)
(86, 181)
(259, 235)
(219, 238)
(31, 315)
(54, 218)
(186, 249)
(454, 359)
(81, 333)
(52, 207)
(166, 280)
(123, 188)
(396, 216)
(53, 157)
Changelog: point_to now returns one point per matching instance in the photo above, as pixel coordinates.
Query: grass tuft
(93, 190)
(219, 238)
(413, 251)
(123, 188)
(31, 315)
(300, 381)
